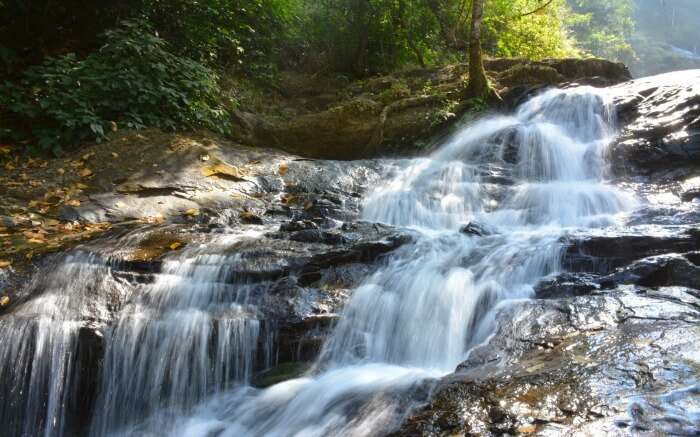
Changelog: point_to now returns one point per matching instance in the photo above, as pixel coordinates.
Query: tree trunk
(360, 27)
(478, 84)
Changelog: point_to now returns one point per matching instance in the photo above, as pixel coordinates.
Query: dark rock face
(661, 119)
(602, 255)
(475, 229)
(597, 365)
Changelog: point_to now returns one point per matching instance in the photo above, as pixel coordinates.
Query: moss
(355, 106)
(530, 74)
(280, 373)
(398, 90)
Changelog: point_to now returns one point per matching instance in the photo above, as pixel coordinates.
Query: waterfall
(179, 358)
(526, 181)
(39, 346)
(190, 334)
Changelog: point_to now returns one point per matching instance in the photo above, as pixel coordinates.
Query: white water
(178, 359)
(529, 179)
(190, 334)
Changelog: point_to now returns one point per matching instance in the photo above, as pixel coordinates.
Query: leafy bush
(132, 81)
(244, 35)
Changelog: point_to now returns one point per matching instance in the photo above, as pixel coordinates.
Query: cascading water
(41, 341)
(191, 334)
(526, 180)
(179, 356)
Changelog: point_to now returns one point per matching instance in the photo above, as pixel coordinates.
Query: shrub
(132, 81)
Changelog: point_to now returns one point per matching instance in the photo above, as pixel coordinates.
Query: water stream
(180, 356)
(525, 180)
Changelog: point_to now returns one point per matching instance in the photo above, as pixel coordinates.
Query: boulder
(660, 119)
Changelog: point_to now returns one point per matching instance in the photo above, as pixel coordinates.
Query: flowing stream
(179, 359)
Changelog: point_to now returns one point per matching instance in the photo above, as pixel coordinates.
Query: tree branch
(537, 10)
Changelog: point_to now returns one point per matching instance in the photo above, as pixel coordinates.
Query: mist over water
(666, 37)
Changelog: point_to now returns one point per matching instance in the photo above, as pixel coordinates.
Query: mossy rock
(531, 74)
(280, 373)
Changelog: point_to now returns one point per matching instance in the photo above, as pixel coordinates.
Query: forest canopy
(69, 65)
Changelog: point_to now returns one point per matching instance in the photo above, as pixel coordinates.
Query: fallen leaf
(282, 169)
(87, 156)
(222, 169)
(73, 202)
(115, 155)
(191, 212)
(85, 173)
(288, 198)
(251, 218)
(175, 245)
(5, 149)
(60, 171)
(4, 264)
(4, 301)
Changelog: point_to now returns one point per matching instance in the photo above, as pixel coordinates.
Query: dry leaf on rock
(222, 169)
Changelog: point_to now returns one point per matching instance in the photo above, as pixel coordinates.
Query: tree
(478, 83)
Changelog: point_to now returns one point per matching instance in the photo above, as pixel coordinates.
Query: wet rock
(603, 254)
(298, 225)
(664, 270)
(661, 123)
(280, 373)
(567, 285)
(573, 365)
(476, 229)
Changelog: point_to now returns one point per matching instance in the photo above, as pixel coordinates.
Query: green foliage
(604, 27)
(132, 81)
(513, 30)
(362, 37)
(239, 33)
